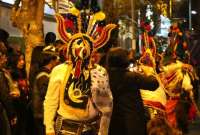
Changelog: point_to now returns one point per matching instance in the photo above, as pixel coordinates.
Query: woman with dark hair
(17, 65)
(7, 115)
(22, 103)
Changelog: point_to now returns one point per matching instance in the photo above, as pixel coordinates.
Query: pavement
(194, 128)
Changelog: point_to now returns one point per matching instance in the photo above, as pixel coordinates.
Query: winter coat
(128, 117)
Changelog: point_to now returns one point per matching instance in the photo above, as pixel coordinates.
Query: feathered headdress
(83, 32)
(149, 46)
(82, 26)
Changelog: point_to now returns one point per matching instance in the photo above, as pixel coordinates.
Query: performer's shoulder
(60, 68)
(100, 68)
(99, 71)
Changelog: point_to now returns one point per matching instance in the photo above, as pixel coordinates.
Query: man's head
(4, 35)
(50, 38)
(51, 57)
(117, 58)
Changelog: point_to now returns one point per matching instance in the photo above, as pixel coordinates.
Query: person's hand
(147, 70)
(15, 94)
(187, 67)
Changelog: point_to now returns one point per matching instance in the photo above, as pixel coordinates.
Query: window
(47, 9)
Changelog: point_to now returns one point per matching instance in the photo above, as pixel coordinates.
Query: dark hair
(3, 35)
(57, 42)
(102, 61)
(50, 38)
(117, 57)
(15, 72)
(47, 58)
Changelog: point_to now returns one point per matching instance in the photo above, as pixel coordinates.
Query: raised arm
(147, 80)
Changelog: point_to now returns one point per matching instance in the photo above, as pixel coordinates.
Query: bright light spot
(164, 26)
(48, 0)
(48, 10)
(131, 65)
(194, 12)
(192, 28)
(8, 1)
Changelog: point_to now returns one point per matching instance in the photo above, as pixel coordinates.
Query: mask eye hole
(79, 41)
(80, 49)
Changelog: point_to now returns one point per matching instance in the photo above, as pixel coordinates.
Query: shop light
(194, 12)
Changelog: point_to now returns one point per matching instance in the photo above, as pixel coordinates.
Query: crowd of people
(22, 98)
(124, 100)
(73, 89)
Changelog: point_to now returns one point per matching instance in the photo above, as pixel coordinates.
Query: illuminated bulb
(194, 12)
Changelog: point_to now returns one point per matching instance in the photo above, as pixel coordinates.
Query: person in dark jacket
(41, 81)
(37, 56)
(128, 117)
(22, 104)
(7, 113)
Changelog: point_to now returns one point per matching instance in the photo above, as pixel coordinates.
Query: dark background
(181, 10)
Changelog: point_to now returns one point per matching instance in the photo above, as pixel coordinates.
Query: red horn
(61, 28)
(104, 37)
